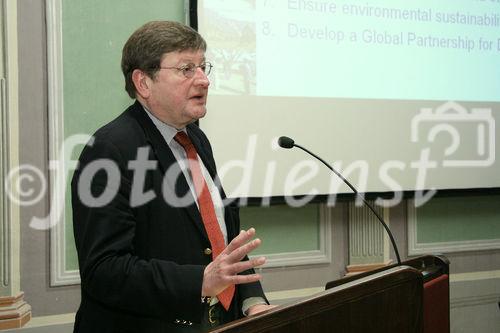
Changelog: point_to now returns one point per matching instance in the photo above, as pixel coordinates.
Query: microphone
(288, 143)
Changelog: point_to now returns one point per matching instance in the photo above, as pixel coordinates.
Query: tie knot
(183, 140)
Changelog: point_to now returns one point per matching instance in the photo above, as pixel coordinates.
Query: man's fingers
(243, 250)
(238, 241)
(223, 271)
(247, 264)
(242, 279)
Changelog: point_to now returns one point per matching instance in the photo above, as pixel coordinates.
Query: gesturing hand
(223, 271)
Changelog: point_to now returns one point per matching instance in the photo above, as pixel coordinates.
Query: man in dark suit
(159, 246)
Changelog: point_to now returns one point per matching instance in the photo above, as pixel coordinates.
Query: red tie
(207, 210)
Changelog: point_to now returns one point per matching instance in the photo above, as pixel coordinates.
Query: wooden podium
(388, 300)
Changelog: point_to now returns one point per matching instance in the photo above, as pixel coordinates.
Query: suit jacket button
(208, 251)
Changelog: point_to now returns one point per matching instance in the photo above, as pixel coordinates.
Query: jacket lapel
(167, 161)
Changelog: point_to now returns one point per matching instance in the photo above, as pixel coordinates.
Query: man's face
(174, 98)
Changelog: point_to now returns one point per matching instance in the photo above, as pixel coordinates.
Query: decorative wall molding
(4, 202)
(9, 150)
(14, 311)
(475, 300)
(59, 275)
(416, 248)
(475, 276)
(321, 256)
(472, 289)
(366, 235)
(4, 164)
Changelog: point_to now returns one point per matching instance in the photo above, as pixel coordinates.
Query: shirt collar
(167, 131)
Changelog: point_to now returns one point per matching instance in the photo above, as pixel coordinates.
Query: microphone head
(286, 142)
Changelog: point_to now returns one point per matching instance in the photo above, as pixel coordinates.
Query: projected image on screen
(232, 46)
(350, 79)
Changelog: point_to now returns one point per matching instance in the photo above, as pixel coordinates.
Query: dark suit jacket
(141, 266)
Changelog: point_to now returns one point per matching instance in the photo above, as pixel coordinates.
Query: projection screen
(397, 95)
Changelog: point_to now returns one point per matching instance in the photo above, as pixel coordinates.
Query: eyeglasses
(190, 69)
